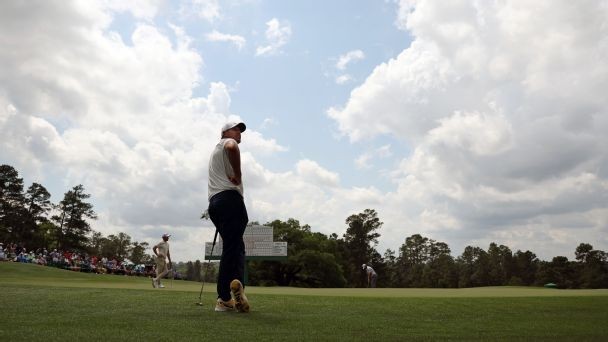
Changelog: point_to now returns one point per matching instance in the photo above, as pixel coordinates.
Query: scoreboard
(258, 243)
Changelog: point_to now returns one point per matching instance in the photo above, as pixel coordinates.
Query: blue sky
(290, 91)
(466, 122)
(295, 87)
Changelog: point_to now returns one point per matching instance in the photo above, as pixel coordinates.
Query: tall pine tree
(360, 240)
(12, 211)
(71, 219)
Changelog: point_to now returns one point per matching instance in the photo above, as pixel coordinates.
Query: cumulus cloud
(143, 9)
(259, 145)
(216, 36)
(312, 171)
(503, 107)
(405, 8)
(349, 57)
(208, 10)
(503, 119)
(80, 106)
(342, 63)
(309, 193)
(268, 122)
(479, 133)
(343, 79)
(364, 160)
(277, 35)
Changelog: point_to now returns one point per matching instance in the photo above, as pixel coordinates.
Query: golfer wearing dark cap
(161, 250)
(229, 215)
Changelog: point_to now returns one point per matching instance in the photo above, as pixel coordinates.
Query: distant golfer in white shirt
(161, 250)
(371, 275)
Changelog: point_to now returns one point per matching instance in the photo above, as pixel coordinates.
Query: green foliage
(138, 253)
(71, 219)
(424, 262)
(12, 210)
(314, 259)
(38, 205)
(501, 263)
(526, 265)
(583, 252)
(319, 269)
(559, 271)
(189, 270)
(46, 235)
(116, 246)
(24, 220)
(311, 261)
(197, 271)
(389, 275)
(360, 240)
(22, 214)
(594, 267)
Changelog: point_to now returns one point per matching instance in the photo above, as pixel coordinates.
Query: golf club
(200, 296)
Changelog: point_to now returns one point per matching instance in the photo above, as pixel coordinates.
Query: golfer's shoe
(222, 306)
(153, 283)
(161, 285)
(240, 300)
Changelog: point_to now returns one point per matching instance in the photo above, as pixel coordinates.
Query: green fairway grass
(43, 303)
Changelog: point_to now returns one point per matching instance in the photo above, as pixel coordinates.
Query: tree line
(314, 259)
(30, 219)
(317, 260)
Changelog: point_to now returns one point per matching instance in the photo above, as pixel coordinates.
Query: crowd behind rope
(75, 261)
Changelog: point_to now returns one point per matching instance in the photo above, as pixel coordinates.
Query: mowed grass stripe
(92, 311)
(52, 313)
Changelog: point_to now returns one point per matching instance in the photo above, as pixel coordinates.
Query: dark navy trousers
(229, 215)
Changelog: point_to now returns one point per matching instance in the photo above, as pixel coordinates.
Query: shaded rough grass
(39, 311)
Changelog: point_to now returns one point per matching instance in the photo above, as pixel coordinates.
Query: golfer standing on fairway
(372, 277)
(229, 215)
(161, 250)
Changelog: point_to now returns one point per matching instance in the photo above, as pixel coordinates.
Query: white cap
(230, 125)
(363, 266)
